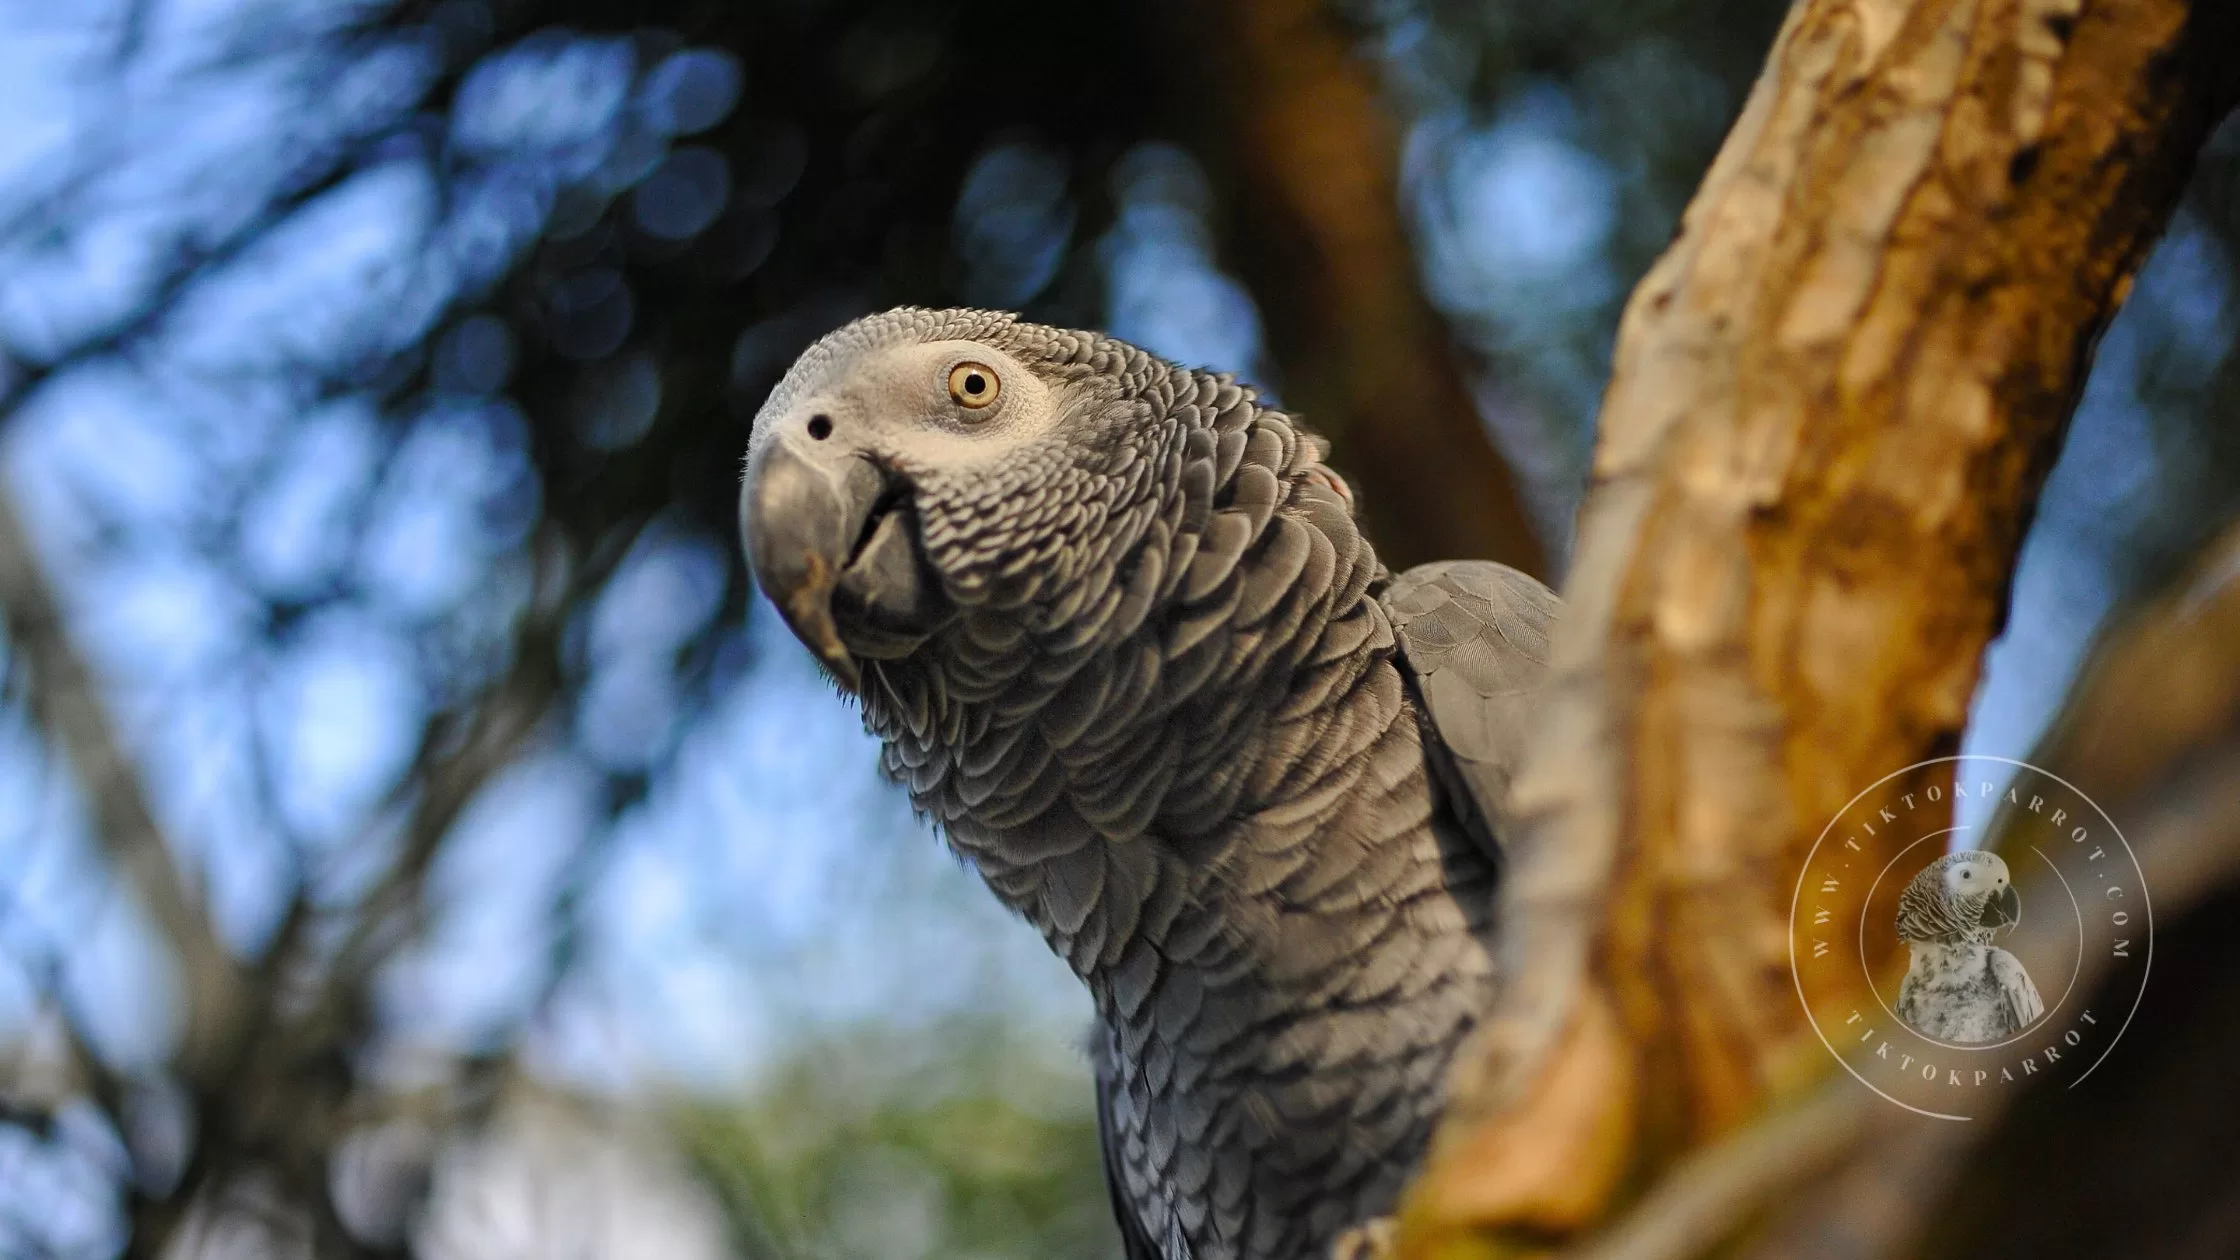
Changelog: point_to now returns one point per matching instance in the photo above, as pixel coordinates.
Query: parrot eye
(973, 385)
(1967, 874)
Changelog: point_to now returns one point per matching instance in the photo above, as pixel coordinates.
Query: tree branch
(1297, 116)
(1840, 1173)
(1834, 400)
(65, 702)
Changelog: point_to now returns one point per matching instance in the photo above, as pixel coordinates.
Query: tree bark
(2163, 1128)
(1296, 124)
(1844, 1174)
(1835, 397)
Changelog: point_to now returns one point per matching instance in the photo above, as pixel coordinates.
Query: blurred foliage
(970, 1151)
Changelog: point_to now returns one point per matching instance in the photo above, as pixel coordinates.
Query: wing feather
(1135, 1243)
(2020, 996)
(1474, 637)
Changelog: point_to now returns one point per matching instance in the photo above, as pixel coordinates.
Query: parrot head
(1961, 895)
(917, 466)
(1982, 881)
(916, 461)
(1048, 564)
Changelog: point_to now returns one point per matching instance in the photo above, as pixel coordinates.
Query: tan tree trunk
(1834, 400)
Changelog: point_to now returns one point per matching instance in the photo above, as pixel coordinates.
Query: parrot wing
(2016, 992)
(1474, 636)
(1135, 1242)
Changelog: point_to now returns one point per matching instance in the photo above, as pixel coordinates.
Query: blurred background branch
(59, 692)
(1292, 117)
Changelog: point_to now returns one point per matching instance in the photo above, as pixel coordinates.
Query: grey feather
(1474, 635)
(1959, 987)
(1154, 683)
(1135, 1244)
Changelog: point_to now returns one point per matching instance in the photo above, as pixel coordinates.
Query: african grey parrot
(1119, 631)
(1960, 987)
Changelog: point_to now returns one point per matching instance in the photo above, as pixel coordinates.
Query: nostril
(820, 427)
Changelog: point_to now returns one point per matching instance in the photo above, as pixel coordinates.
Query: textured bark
(1303, 140)
(1835, 397)
(2163, 1131)
(1841, 1173)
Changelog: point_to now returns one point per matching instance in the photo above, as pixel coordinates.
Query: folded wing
(1474, 636)
(2016, 992)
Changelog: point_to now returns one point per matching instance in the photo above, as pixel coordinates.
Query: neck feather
(1087, 744)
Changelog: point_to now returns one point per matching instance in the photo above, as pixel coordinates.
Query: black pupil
(973, 383)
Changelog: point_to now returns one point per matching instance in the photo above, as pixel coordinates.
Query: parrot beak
(2004, 909)
(802, 518)
(830, 540)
